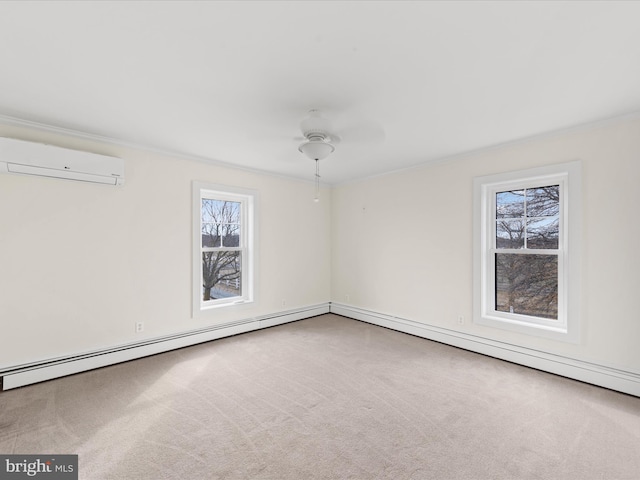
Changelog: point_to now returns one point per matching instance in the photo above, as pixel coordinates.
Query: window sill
(560, 332)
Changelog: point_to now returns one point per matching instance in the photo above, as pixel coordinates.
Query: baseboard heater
(28, 374)
(595, 374)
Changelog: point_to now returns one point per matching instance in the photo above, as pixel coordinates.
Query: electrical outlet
(461, 319)
(284, 303)
(347, 298)
(139, 327)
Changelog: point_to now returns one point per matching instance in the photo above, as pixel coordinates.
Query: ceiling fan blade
(367, 131)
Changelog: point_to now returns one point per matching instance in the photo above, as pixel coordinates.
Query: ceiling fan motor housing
(315, 127)
(316, 130)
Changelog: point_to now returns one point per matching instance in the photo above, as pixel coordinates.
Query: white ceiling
(230, 81)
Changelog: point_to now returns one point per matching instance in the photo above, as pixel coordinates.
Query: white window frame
(567, 325)
(247, 244)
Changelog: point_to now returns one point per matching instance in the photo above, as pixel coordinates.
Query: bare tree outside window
(221, 252)
(526, 261)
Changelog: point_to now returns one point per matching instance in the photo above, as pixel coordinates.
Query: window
(526, 251)
(224, 235)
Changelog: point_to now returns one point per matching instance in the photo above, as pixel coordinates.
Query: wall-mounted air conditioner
(29, 158)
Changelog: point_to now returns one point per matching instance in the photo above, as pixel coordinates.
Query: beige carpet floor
(326, 398)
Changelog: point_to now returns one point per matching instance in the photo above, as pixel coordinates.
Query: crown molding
(78, 134)
(583, 127)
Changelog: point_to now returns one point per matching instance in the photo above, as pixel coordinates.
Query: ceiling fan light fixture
(316, 148)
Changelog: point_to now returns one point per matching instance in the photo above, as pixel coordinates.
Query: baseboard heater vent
(28, 374)
(595, 374)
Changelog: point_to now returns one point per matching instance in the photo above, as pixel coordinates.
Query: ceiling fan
(319, 139)
(315, 129)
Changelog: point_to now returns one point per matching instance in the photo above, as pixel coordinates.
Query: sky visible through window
(221, 230)
(527, 220)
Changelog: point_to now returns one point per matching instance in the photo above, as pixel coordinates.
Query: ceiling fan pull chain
(317, 199)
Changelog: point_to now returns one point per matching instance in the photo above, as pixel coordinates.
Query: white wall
(402, 243)
(81, 263)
